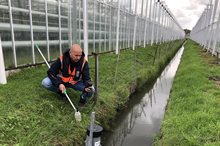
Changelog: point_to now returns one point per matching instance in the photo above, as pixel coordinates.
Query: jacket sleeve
(85, 73)
(54, 71)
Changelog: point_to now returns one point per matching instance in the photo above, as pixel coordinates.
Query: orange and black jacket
(63, 70)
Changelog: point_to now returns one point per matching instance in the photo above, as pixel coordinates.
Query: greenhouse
(98, 25)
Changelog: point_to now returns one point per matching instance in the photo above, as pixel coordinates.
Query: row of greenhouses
(206, 30)
(97, 25)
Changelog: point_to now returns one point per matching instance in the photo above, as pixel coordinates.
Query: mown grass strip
(31, 115)
(192, 115)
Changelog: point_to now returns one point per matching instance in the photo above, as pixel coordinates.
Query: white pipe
(47, 31)
(135, 26)
(85, 28)
(2, 66)
(70, 24)
(12, 34)
(117, 29)
(60, 27)
(32, 32)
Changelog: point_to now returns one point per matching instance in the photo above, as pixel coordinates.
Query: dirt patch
(207, 56)
(216, 62)
(216, 79)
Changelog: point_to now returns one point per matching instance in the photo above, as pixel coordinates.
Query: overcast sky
(187, 12)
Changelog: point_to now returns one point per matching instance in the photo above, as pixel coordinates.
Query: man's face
(75, 54)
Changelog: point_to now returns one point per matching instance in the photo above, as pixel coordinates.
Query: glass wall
(207, 27)
(56, 24)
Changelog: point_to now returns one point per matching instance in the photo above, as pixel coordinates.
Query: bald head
(76, 48)
(75, 52)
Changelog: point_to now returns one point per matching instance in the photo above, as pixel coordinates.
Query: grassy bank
(192, 115)
(31, 115)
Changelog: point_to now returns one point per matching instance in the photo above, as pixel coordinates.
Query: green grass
(31, 115)
(192, 115)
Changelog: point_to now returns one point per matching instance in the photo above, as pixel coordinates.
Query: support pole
(12, 34)
(32, 31)
(91, 129)
(135, 26)
(117, 31)
(85, 29)
(94, 133)
(60, 27)
(96, 75)
(2, 66)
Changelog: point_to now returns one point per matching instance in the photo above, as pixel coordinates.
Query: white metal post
(145, 24)
(32, 33)
(105, 15)
(60, 34)
(203, 26)
(158, 22)
(124, 31)
(153, 21)
(74, 20)
(47, 31)
(79, 21)
(100, 25)
(211, 27)
(213, 31)
(2, 66)
(163, 27)
(94, 30)
(135, 26)
(110, 30)
(166, 27)
(207, 21)
(117, 31)
(150, 22)
(70, 24)
(85, 28)
(141, 25)
(12, 33)
(216, 35)
(129, 23)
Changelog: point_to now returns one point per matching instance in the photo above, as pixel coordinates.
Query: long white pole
(85, 28)
(135, 26)
(117, 31)
(2, 66)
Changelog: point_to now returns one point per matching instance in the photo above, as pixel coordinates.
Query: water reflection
(140, 122)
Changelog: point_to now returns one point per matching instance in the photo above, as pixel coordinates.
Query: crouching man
(71, 70)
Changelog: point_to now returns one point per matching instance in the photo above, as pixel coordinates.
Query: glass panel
(4, 2)
(5, 35)
(39, 36)
(54, 51)
(39, 20)
(8, 57)
(38, 57)
(4, 16)
(21, 17)
(53, 21)
(24, 55)
(20, 4)
(38, 5)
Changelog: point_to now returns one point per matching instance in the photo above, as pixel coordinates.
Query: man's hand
(62, 88)
(88, 89)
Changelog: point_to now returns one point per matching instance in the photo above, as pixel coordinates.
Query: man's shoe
(82, 101)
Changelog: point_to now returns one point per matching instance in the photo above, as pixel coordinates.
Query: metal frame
(117, 24)
(205, 32)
